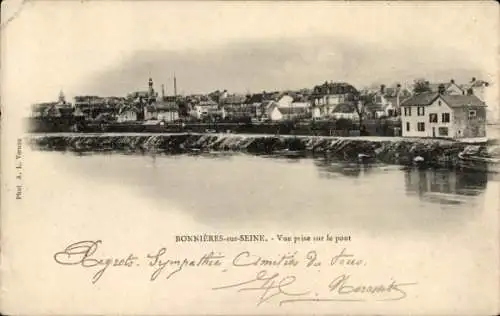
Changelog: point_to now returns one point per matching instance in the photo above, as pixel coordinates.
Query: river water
(437, 224)
(234, 191)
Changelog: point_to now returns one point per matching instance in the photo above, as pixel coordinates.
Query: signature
(270, 285)
(82, 253)
(339, 289)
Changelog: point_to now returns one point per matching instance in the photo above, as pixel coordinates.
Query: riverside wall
(390, 150)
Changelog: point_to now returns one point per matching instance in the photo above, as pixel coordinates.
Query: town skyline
(306, 60)
(240, 47)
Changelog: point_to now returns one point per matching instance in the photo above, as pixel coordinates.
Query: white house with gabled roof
(440, 115)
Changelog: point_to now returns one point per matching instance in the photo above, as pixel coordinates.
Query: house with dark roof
(326, 97)
(127, 113)
(346, 110)
(433, 114)
(278, 112)
(167, 111)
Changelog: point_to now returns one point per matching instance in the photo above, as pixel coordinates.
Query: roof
(256, 98)
(334, 88)
(427, 98)
(268, 104)
(166, 106)
(424, 98)
(128, 108)
(435, 86)
(42, 106)
(345, 108)
(394, 99)
(87, 98)
(374, 107)
(234, 99)
(170, 98)
(292, 110)
(455, 101)
(207, 103)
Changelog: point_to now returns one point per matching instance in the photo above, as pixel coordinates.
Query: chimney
(175, 86)
(382, 88)
(441, 89)
(398, 92)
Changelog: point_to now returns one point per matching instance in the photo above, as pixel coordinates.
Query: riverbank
(390, 150)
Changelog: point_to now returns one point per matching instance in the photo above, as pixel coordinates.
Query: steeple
(150, 85)
(62, 98)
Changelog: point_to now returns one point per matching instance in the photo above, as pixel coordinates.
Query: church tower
(62, 98)
(150, 88)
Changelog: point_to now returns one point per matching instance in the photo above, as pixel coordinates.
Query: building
(91, 106)
(326, 97)
(167, 111)
(450, 88)
(432, 114)
(127, 113)
(487, 93)
(60, 108)
(345, 110)
(233, 100)
(144, 97)
(202, 107)
(280, 112)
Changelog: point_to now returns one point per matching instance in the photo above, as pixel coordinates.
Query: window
(433, 118)
(445, 117)
(443, 131)
(407, 126)
(472, 114)
(421, 126)
(421, 111)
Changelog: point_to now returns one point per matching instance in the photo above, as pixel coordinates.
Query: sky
(113, 47)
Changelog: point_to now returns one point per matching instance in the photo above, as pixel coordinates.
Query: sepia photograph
(250, 157)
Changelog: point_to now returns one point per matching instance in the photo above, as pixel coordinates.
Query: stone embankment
(434, 152)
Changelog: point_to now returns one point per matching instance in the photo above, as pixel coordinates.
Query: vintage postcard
(249, 158)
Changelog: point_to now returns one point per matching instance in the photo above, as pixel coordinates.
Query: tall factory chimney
(175, 86)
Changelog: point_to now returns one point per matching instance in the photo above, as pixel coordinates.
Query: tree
(363, 100)
(421, 86)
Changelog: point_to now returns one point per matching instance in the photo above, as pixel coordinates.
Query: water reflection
(232, 191)
(432, 185)
(331, 168)
(444, 186)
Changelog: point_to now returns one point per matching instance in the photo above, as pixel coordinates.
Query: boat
(364, 158)
(474, 162)
(419, 162)
(418, 159)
